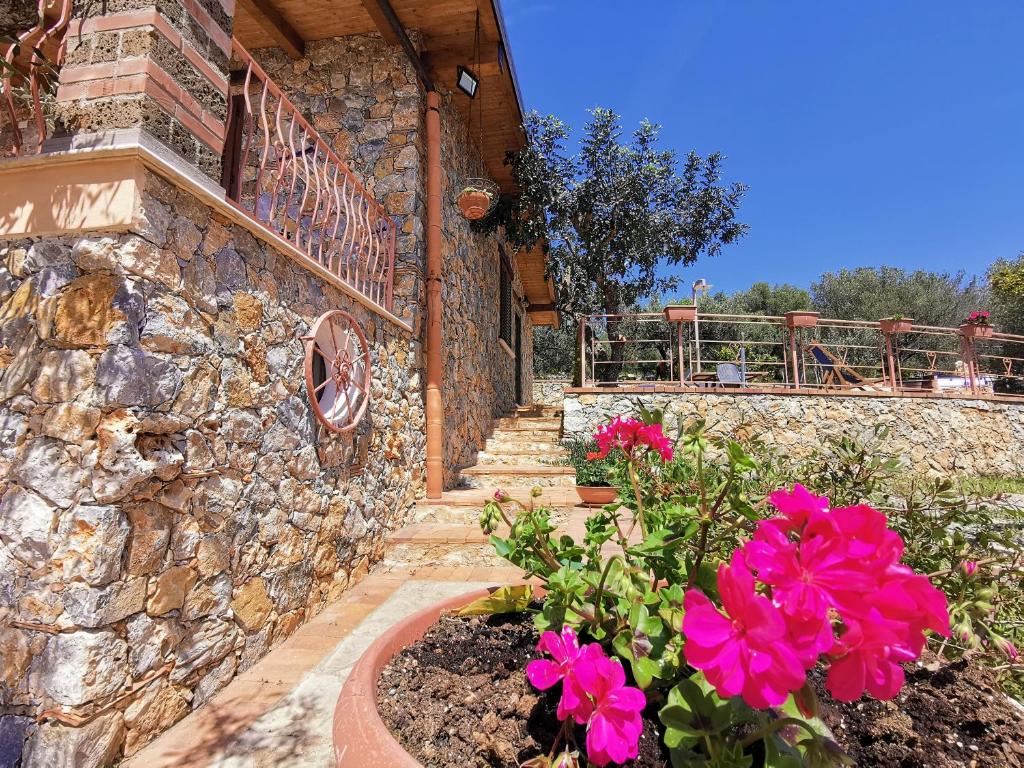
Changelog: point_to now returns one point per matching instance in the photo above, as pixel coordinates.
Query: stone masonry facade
(169, 508)
(971, 437)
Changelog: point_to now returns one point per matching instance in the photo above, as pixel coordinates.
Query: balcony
(277, 170)
(281, 174)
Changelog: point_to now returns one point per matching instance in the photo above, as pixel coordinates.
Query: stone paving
(278, 713)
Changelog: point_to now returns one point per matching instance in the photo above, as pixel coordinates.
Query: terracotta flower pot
(802, 319)
(474, 204)
(597, 495)
(680, 313)
(892, 325)
(361, 740)
(975, 331)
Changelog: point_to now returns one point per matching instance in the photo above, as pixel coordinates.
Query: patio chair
(729, 375)
(836, 373)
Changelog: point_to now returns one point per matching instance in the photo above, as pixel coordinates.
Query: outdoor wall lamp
(467, 82)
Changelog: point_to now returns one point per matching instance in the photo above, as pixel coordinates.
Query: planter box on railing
(976, 331)
(680, 313)
(893, 325)
(802, 319)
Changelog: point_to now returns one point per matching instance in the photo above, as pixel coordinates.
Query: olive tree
(616, 212)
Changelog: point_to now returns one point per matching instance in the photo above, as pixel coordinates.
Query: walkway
(278, 712)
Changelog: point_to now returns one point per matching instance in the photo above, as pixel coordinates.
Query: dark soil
(459, 698)
(946, 716)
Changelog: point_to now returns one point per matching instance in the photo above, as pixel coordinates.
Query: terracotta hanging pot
(474, 203)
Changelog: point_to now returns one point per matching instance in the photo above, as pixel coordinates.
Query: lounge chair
(729, 375)
(836, 373)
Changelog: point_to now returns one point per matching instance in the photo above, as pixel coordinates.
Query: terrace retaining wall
(974, 437)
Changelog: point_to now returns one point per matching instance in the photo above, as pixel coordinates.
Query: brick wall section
(158, 64)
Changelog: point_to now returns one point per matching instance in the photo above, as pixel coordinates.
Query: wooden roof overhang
(448, 30)
(538, 290)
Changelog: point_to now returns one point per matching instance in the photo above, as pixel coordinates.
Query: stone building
(182, 482)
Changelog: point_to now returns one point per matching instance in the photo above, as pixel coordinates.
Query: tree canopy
(1006, 285)
(865, 293)
(617, 211)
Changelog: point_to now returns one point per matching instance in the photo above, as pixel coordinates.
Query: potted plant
(802, 319)
(977, 326)
(681, 313)
(896, 324)
(477, 198)
(592, 484)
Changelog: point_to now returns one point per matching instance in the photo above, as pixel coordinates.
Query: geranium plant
(700, 602)
(590, 470)
(978, 317)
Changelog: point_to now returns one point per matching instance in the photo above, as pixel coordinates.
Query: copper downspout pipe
(434, 404)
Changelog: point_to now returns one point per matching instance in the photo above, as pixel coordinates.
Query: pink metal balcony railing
(282, 174)
(643, 349)
(29, 73)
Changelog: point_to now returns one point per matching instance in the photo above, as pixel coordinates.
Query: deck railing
(282, 174)
(29, 73)
(725, 352)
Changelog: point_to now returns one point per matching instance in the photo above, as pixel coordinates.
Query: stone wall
(479, 374)
(362, 96)
(973, 437)
(170, 508)
(549, 391)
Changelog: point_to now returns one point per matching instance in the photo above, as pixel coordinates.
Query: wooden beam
(268, 17)
(534, 308)
(380, 19)
(386, 19)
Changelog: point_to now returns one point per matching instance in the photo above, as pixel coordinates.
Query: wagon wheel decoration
(337, 371)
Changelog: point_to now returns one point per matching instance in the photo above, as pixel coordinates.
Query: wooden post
(794, 359)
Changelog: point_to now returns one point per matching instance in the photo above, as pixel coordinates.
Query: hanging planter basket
(477, 198)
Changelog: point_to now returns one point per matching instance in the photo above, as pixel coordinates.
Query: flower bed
(460, 697)
(708, 620)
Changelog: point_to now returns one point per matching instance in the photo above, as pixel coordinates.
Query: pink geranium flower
(747, 649)
(632, 437)
(869, 657)
(797, 506)
(566, 653)
(613, 732)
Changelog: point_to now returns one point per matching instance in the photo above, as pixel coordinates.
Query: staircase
(523, 452)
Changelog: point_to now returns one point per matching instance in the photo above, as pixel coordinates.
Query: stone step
(447, 514)
(528, 422)
(531, 435)
(539, 454)
(476, 497)
(504, 445)
(497, 476)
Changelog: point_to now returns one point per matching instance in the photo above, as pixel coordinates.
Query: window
(505, 303)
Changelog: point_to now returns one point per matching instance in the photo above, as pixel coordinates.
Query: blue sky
(870, 132)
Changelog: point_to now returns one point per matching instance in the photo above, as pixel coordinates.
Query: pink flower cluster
(833, 585)
(633, 437)
(978, 317)
(593, 693)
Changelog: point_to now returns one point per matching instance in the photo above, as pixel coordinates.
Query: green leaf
(511, 599)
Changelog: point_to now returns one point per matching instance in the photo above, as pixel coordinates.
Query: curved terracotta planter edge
(361, 740)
